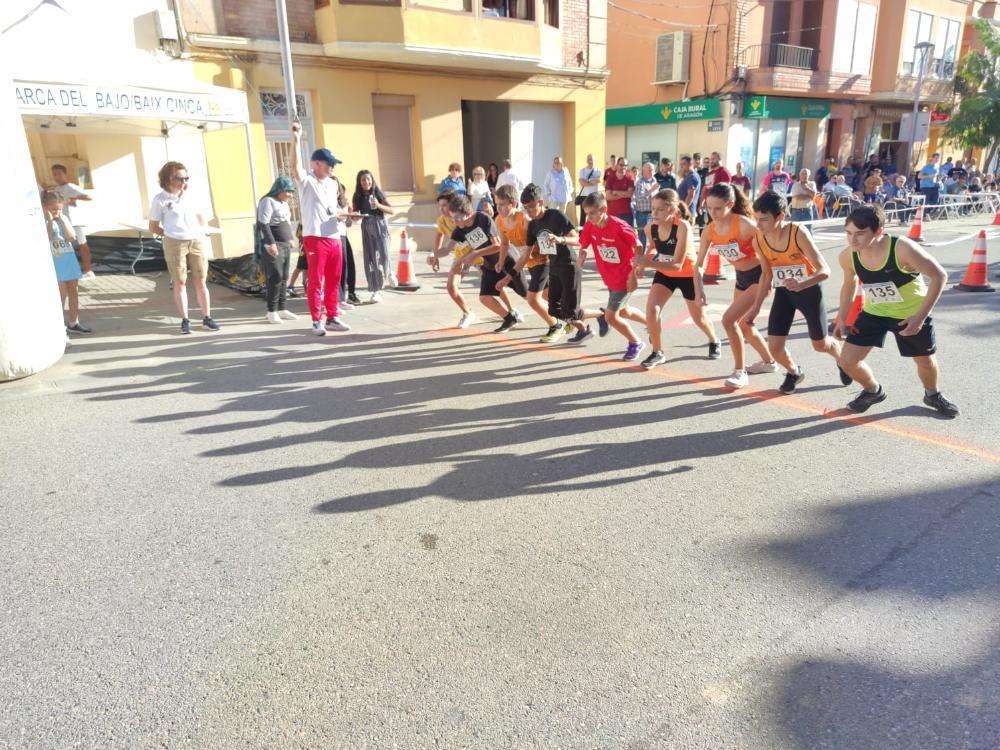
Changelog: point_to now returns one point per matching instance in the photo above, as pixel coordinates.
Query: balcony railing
(778, 56)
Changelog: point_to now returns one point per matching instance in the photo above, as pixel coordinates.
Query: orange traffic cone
(917, 227)
(975, 274)
(714, 272)
(996, 219)
(852, 314)
(406, 279)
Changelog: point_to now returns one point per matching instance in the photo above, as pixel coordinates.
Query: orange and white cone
(855, 311)
(917, 227)
(406, 278)
(714, 272)
(975, 274)
(996, 219)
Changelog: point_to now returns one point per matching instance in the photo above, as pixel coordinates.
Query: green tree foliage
(975, 123)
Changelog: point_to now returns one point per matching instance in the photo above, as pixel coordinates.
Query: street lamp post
(924, 49)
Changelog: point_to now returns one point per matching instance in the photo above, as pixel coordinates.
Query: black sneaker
(715, 350)
(291, 292)
(655, 358)
(210, 324)
(354, 299)
(943, 405)
(185, 326)
(845, 379)
(580, 336)
(791, 380)
(509, 322)
(866, 400)
(77, 328)
(602, 325)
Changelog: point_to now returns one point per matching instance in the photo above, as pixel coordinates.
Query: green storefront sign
(776, 108)
(653, 114)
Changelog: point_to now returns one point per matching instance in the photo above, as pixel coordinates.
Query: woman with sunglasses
(479, 192)
(180, 222)
(453, 181)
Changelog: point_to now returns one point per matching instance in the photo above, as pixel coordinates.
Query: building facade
(400, 87)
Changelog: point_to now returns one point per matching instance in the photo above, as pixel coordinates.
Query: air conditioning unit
(673, 57)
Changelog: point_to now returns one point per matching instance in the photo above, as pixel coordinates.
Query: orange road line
(790, 401)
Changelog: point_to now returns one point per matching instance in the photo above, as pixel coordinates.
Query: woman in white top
(182, 226)
(273, 247)
(479, 192)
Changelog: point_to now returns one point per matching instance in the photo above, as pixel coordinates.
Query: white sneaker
(466, 320)
(393, 280)
(87, 276)
(376, 297)
(738, 379)
(517, 316)
(759, 368)
(287, 315)
(346, 306)
(318, 329)
(272, 317)
(336, 324)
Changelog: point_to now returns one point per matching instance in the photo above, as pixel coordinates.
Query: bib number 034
(781, 274)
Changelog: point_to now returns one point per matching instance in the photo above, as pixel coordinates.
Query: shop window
(393, 116)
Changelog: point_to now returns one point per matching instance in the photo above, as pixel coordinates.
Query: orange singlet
(729, 245)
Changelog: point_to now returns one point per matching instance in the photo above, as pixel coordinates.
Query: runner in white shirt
(507, 177)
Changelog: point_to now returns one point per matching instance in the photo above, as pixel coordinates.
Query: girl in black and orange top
(671, 254)
(731, 233)
(791, 265)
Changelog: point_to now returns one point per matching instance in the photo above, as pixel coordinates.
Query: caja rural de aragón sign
(776, 108)
(652, 114)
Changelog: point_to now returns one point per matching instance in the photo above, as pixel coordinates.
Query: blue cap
(323, 154)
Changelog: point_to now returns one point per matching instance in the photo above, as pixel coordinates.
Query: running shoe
(318, 329)
(633, 351)
(185, 326)
(87, 276)
(353, 299)
(553, 335)
(580, 336)
(287, 315)
(291, 292)
(466, 320)
(517, 316)
(336, 324)
(210, 324)
(602, 325)
(866, 399)
(272, 317)
(845, 379)
(943, 405)
(568, 329)
(376, 297)
(715, 350)
(655, 358)
(791, 380)
(345, 305)
(738, 379)
(393, 281)
(509, 322)
(759, 368)
(77, 328)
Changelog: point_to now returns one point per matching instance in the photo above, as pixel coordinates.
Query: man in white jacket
(558, 187)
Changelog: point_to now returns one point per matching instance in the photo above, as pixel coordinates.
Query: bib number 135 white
(884, 293)
(781, 274)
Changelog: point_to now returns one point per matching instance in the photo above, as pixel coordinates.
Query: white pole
(286, 62)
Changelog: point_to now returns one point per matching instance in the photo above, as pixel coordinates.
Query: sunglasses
(181, 179)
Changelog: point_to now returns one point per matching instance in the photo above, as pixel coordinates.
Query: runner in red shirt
(614, 243)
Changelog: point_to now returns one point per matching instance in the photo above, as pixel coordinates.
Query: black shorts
(488, 284)
(673, 283)
(564, 292)
(809, 302)
(302, 264)
(870, 330)
(746, 279)
(538, 277)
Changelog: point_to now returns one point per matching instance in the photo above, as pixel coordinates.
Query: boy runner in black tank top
(896, 301)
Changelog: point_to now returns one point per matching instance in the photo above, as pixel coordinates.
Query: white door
(536, 138)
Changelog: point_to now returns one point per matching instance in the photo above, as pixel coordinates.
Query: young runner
(896, 301)
(615, 244)
(445, 228)
(790, 262)
(480, 233)
(548, 231)
(67, 266)
(731, 233)
(513, 226)
(672, 256)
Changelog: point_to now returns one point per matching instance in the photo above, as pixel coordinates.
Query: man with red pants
(321, 216)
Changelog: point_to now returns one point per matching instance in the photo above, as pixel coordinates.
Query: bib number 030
(730, 252)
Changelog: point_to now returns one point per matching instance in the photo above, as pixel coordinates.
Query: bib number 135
(886, 293)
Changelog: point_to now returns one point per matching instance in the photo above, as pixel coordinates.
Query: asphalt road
(411, 536)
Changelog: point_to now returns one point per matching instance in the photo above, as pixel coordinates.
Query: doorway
(485, 134)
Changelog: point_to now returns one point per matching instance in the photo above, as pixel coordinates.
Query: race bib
(730, 252)
(477, 238)
(547, 243)
(59, 247)
(781, 274)
(883, 293)
(609, 253)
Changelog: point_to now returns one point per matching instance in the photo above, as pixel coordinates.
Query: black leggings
(276, 275)
(348, 276)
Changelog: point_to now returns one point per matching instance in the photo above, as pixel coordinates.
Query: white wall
(639, 138)
(536, 137)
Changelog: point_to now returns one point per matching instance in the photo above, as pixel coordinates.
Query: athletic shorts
(809, 302)
(673, 283)
(81, 235)
(870, 330)
(618, 300)
(488, 284)
(564, 292)
(181, 255)
(538, 277)
(302, 264)
(746, 279)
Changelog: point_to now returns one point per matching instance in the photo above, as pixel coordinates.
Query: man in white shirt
(70, 193)
(558, 187)
(507, 177)
(321, 217)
